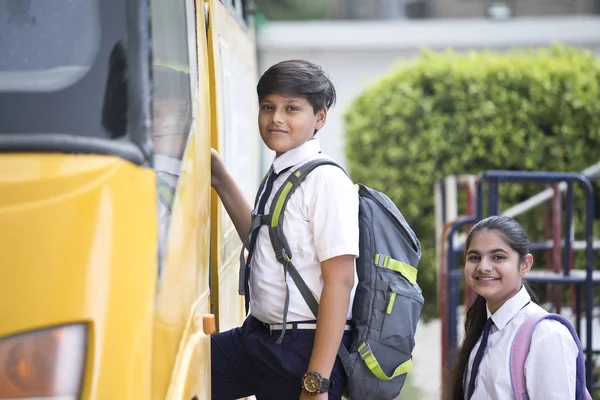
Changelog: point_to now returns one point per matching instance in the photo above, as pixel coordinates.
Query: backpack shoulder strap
(280, 200)
(281, 247)
(520, 349)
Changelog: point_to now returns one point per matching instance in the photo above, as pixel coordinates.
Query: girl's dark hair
(515, 236)
(299, 78)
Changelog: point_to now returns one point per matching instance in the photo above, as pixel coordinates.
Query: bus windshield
(63, 68)
(46, 45)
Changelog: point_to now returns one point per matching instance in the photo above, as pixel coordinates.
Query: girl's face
(493, 269)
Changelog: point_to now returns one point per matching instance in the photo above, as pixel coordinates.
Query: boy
(321, 227)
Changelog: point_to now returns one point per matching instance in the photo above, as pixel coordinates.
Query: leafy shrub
(449, 113)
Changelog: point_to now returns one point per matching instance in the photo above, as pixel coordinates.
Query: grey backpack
(388, 301)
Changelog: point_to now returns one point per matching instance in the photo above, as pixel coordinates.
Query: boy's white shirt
(320, 222)
(550, 368)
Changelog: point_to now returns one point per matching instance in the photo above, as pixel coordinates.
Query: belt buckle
(269, 327)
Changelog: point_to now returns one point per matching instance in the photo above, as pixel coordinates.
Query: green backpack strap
(280, 200)
(282, 249)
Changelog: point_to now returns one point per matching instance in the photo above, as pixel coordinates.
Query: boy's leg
(231, 370)
(282, 365)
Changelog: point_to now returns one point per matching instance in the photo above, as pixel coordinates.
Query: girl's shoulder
(547, 330)
(529, 310)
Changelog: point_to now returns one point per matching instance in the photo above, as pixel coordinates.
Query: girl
(497, 260)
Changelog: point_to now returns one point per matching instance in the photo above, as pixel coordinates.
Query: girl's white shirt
(550, 368)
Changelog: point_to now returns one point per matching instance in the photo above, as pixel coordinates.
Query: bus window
(63, 72)
(46, 45)
(172, 105)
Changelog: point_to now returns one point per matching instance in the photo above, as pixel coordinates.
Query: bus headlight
(46, 364)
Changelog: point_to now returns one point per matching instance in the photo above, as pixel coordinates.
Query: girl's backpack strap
(520, 349)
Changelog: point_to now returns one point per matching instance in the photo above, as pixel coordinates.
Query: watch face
(311, 384)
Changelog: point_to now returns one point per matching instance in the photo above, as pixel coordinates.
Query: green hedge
(449, 113)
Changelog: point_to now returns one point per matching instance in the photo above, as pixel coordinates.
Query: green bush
(448, 113)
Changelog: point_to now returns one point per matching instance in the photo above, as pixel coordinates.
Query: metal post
(440, 213)
(568, 229)
(452, 299)
(578, 309)
(557, 242)
(493, 199)
(450, 198)
(547, 214)
(589, 266)
(470, 211)
(479, 209)
(440, 221)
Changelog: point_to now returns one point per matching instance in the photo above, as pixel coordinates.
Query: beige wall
(477, 8)
(392, 9)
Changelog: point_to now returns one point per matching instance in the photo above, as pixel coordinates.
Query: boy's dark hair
(301, 78)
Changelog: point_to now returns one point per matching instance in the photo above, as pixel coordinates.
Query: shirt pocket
(298, 235)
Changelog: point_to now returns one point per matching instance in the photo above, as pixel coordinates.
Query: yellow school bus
(114, 258)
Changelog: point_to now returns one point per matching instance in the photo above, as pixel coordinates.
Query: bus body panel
(78, 245)
(235, 134)
(181, 348)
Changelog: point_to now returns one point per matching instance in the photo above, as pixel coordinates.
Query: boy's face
(287, 122)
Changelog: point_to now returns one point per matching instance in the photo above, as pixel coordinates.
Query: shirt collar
(510, 308)
(294, 156)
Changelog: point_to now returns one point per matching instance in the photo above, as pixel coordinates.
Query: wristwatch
(313, 383)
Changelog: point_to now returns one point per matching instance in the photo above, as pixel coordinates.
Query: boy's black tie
(260, 210)
(479, 357)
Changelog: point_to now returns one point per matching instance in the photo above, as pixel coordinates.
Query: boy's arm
(338, 281)
(231, 196)
(333, 214)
